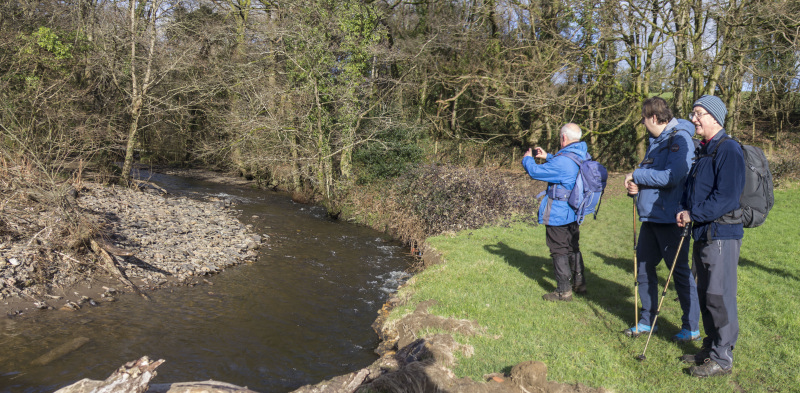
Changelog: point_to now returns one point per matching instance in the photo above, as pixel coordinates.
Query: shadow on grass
(770, 270)
(603, 296)
(670, 298)
(536, 268)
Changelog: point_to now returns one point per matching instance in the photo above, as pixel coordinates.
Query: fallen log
(132, 377)
(60, 351)
(135, 377)
(198, 387)
(112, 268)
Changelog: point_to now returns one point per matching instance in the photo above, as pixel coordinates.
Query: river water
(298, 315)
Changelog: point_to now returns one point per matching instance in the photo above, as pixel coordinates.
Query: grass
(496, 277)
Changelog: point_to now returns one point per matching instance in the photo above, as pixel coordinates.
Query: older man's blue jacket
(661, 176)
(558, 171)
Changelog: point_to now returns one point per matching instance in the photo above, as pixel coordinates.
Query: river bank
(425, 361)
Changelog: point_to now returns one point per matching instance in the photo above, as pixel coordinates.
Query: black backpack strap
(713, 154)
(672, 137)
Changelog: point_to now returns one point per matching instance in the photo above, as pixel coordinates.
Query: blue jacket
(713, 188)
(560, 173)
(661, 176)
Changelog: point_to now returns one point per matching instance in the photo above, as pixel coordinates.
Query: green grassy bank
(496, 276)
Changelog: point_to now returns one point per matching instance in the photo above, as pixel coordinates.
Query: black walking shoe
(579, 289)
(698, 358)
(708, 369)
(558, 296)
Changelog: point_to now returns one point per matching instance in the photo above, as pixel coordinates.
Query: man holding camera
(561, 228)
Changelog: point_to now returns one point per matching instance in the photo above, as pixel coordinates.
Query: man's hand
(683, 218)
(632, 188)
(528, 153)
(540, 153)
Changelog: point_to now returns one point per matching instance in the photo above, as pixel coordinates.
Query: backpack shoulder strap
(574, 157)
(672, 137)
(713, 154)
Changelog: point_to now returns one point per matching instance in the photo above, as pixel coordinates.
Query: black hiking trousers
(563, 241)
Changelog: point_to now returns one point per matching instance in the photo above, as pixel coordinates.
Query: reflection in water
(298, 315)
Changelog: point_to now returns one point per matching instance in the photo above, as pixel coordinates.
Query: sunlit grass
(496, 276)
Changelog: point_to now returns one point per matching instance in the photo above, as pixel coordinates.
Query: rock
(342, 384)
(531, 375)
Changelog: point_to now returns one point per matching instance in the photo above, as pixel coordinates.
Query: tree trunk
(133, 129)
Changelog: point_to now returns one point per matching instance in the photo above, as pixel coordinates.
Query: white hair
(572, 131)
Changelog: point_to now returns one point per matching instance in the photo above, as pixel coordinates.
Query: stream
(298, 315)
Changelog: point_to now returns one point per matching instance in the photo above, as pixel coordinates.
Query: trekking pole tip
(641, 357)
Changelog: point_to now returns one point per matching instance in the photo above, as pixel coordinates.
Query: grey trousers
(717, 263)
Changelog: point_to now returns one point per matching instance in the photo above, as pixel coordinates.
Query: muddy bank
(414, 362)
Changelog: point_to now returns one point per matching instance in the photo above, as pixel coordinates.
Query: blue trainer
(639, 329)
(685, 336)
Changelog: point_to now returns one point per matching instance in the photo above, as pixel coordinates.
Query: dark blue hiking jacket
(560, 173)
(713, 189)
(661, 176)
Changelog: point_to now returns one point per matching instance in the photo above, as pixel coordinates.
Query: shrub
(451, 199)
(390, 155)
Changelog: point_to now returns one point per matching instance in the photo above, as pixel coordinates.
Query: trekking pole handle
(686, 229)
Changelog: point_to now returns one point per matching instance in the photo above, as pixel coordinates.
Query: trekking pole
(684, 234)
(635, 271)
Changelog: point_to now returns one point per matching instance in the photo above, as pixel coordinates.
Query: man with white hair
(561, 227)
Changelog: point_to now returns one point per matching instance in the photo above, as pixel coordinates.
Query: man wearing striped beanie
(713, 187)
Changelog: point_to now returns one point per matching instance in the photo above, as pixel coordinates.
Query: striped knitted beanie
(714, 106)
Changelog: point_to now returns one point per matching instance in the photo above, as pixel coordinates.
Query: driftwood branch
(133, 377)
(112, 249)
(112, 267)
(143, 184)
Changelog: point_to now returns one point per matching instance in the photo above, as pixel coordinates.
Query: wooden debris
(112, 249)
(133, 377)
(60, 351)
(112, 268)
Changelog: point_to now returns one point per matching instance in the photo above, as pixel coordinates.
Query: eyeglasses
(697, 114)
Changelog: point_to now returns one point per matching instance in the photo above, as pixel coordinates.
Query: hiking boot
(709, 368)
(698, 358)
(556, 296)
(685, 336)
(579, 289)
(638, 330)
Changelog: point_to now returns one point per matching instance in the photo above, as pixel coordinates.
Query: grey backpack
(757, 198)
